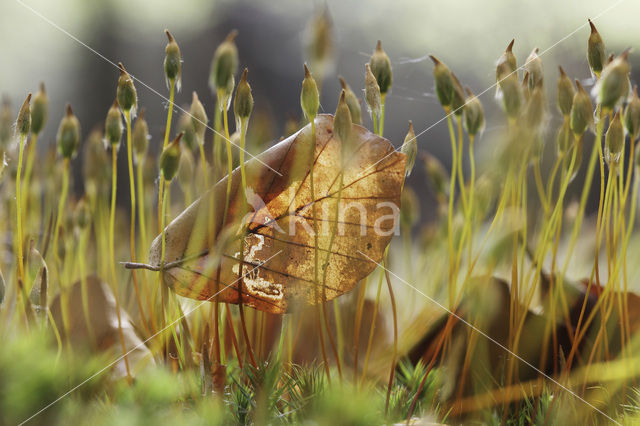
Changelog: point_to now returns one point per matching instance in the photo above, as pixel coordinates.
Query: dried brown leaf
(280, 223)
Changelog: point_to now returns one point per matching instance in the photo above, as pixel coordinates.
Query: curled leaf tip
(169, 36)
(232, 35)
(28, 99)
(177, 139)
(510, 45)
(625, 54)
(435, 60)
(69, 110)
(343, 83)
(343, 93)
(593, 27)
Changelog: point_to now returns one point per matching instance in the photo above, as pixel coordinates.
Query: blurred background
(273, 43)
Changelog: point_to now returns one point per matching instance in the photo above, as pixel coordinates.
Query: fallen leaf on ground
(279, 224)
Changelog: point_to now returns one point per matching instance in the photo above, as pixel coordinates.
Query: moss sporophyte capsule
(533, 66)
(225, 63)
(613, 86)
(372, 93)
(410, 149)
(68, 134)
(172, 60)
(473, 114)
(39, 110)
(309, 96)
(199, 118)
(632, 115)
(614, 140)
(342, 127)
(444, 83)
(23, 123)
(126, 92)
(581, 116)
(381, 68)
(565, 93)
(140, 137)
(113, 126)
(170, 159)
(243, 101)
(595, 50)
(352, 102)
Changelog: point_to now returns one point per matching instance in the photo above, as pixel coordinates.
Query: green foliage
(405, 391)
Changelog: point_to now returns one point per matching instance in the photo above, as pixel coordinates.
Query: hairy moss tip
(69, 110)
(609, 59)
(435, 60)
(123, 71)
(510, 46)
(141, 113)
(343, 94)
(379, 46)
(625, 54)
(42, 88)
(177, 139)
(562, 73)
(232, 35)
(169, 36)
(24, 109)
(593, 27)
(307, 73)
(343, 83)
(579, 86)
(244, 75)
